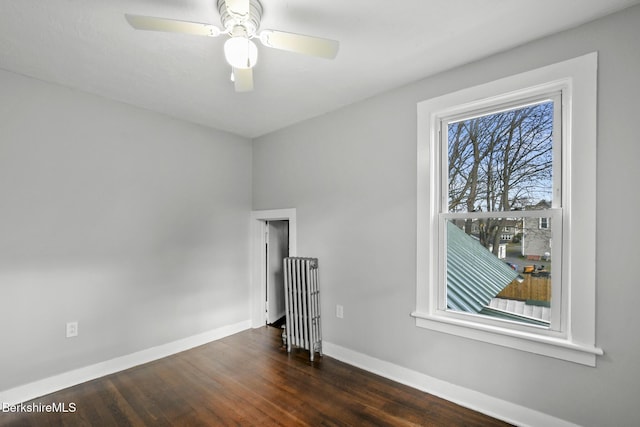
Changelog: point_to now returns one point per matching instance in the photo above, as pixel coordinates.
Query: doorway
(276, 250)
(259, 267)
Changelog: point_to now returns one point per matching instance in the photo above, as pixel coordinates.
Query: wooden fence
(536, 288)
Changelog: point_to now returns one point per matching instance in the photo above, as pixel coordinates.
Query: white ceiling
(88, 45)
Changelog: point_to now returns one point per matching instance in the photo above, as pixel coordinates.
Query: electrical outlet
(339, 311)
(72, 329)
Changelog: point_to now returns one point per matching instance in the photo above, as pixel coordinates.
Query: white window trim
(546, 223)
(578, 79)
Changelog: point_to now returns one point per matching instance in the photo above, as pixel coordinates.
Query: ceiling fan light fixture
(240, 21)
(240, 52)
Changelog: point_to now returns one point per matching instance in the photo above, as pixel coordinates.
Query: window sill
(559, 348)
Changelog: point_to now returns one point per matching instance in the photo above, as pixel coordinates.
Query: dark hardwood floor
(246, 379)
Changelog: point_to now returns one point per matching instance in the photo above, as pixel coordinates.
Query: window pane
(502, 278)
(501, 161)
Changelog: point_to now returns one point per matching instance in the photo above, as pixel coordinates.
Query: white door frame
(258, 257)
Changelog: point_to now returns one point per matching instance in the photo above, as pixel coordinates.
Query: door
(277, 249)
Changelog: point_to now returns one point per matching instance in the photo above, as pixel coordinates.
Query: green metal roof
(474, 275)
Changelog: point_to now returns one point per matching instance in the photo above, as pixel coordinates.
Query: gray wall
(132, 223)
(351, 174)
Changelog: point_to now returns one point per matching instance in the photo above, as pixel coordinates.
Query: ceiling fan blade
(243, 79)
(151, 23)
(238, 7)
(314, 46)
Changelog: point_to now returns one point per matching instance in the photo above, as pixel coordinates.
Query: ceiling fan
(240, 21)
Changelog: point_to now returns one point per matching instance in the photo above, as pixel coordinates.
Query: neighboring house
(536, 235)
(507, 233)
(509, 230)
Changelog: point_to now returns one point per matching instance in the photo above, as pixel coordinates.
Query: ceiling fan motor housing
(230, 20)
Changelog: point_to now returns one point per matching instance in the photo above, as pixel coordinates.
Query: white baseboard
(494, 407)
(55, 383)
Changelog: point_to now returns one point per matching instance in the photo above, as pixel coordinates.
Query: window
(516, 152)
(493, 163)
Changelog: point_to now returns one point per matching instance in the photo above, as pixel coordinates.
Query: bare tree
(500, 162)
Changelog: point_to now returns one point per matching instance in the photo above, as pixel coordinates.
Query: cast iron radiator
(302, 304)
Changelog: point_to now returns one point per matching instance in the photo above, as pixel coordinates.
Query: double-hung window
(518, 152)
